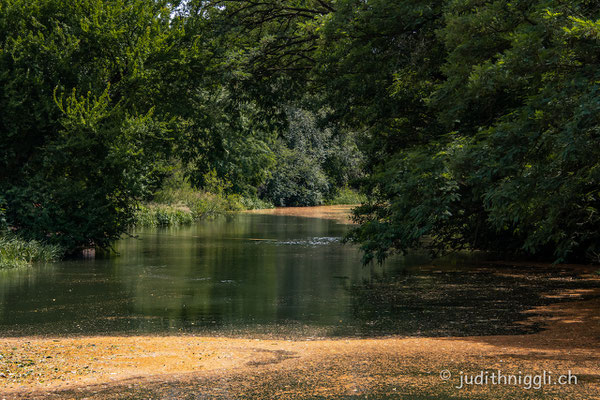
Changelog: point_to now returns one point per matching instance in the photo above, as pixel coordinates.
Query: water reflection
(266, 274)
(254, 270)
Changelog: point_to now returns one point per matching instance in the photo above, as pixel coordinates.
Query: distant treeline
(468, 124)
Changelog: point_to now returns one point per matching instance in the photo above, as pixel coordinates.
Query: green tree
(81, 136)
(516, 168)
(312, 162)
(479, 118)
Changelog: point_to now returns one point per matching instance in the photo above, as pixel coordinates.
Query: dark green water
(267, 275)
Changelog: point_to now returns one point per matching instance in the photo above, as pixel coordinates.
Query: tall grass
(180, 205)
(17, 252)
(162, 215)
(346, 195)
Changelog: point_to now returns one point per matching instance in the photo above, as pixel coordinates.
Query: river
(269, 275)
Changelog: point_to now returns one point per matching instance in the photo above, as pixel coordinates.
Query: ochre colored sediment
(39, 367)
(339, 213)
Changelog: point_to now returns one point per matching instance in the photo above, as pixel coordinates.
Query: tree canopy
(478, 117)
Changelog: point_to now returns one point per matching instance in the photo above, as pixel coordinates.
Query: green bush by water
(17, 252)
(346, 195)
(177, 203)
(162, 215)
(201, 206)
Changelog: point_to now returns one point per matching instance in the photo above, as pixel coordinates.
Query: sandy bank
(339, 213)
(392, 367)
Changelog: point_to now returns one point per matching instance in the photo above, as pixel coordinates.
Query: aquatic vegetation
(162, 215)
(199, 206)
(346, 195)
(178, 203)
(17, 252)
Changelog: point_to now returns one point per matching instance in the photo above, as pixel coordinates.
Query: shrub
(162, 215)
(254, 203)
(177, 203)
(296, 181)
(346, 195)
(17, 252)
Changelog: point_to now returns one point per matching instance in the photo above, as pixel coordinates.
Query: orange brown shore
(198, 367)
(105, 367)
(339, 213)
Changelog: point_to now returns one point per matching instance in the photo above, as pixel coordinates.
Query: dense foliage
(479, 117)
(514, 165)
(312, 163)
(81, 136)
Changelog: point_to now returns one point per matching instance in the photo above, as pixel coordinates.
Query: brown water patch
(393, 367)
(340, 213)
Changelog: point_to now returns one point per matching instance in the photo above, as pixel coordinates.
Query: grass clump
(254, 203)
(177, 203)
(17, 252)
(162, 215)
(346, 195)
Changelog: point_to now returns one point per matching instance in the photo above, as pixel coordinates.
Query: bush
(177, 203)
(17, 252)
(254, 203)
(346, 195)
(162, 215)
(198, 205)
(296, 181)
(311, 161)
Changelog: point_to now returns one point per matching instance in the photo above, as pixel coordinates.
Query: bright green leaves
(583, 28)
(86, 111)
(82, 138)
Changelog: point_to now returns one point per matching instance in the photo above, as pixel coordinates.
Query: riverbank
(339, 213)
(393, 367)
(16, 252)
(182, 213)
(187, 207)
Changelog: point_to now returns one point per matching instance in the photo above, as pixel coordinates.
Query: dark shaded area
(467, 301)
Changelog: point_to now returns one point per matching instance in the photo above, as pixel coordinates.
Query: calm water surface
(268, 275)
